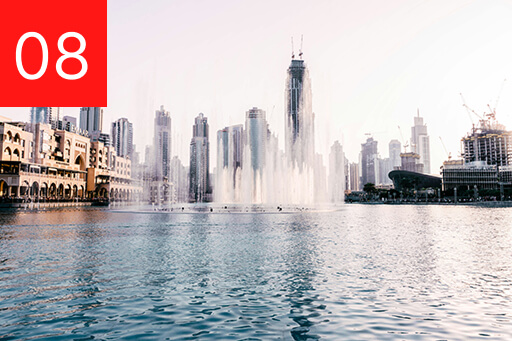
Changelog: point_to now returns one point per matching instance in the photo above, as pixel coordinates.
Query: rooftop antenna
(300, 51)
(293, 53)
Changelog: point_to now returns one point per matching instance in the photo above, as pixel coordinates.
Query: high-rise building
(411, 162)
(336, 173)
(98, 136)
(347, 172)
(256, 135)
(486, 160)
(395, 148)
(384, 169)
(420, 142)
(179, 178)
(354, 176)
(199, 189)
(369, 162)
(230, 147)
(69, 121)
(162, 144)
(91, 119)
(47, 115)
(299, 121)
(122, 137)
(489, 142)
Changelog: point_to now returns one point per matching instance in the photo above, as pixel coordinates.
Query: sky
(372, 65)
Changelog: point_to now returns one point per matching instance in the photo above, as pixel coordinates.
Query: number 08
(44, 64)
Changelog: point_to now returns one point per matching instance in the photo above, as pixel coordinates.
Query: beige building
(38, 163)
(109, 175)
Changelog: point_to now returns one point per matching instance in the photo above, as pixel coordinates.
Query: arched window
(16, 153)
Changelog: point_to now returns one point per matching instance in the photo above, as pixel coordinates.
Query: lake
(358, 272)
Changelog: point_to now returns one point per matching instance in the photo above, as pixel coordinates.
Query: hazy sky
(372, 64)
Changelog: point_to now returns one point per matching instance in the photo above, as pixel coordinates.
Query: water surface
(359, 273)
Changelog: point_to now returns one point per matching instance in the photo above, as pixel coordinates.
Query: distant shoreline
(465, 203)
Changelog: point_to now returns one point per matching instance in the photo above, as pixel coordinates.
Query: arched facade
(4, 189)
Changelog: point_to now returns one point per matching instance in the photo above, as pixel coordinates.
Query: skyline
(228, 58)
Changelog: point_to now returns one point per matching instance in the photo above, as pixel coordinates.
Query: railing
(51, 176)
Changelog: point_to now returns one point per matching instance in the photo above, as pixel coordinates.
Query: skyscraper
(395, 148)
(47, 115)
(122, 137)
(420, 142)
(299, 121)
(490, 142)
(228, 176)
(230, 147)
(91, 119)
(384, 169)
(336, 173)
(179, 178)
(354, 176)
(256, 130)
(256, 136)
(369, 162)
(162, 144)
(199, 188)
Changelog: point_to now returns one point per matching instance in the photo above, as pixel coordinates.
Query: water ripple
(362, 272)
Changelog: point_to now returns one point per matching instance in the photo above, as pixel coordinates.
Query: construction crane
(406, 144)
(445, 150)
(469, 110)
(492, 114)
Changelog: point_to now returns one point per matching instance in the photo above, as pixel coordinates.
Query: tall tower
(228, 176)
(199, 188)
(256, 130)
(490, 142)
(230, 147)
(336, 173)
(91, 119)
(299, 119)
(162, 144)
(421, 142)
(122, 137)
(395, 148)
(369, 162)
(48, 115)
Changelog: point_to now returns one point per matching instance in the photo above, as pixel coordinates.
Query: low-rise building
(109, 176)
(39, 163)
(469, 175)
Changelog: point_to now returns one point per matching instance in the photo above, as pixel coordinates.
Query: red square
(51, 20)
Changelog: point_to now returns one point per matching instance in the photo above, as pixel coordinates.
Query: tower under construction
(489, 142)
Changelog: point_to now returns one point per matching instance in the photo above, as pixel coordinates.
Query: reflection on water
(363, 272)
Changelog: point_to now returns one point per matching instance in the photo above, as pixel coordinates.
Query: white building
(336, 173)
(122, 137)
(420, 142)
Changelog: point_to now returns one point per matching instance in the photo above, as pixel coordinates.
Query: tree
(369, 188)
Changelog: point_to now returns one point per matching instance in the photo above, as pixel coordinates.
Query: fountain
(251, 169)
